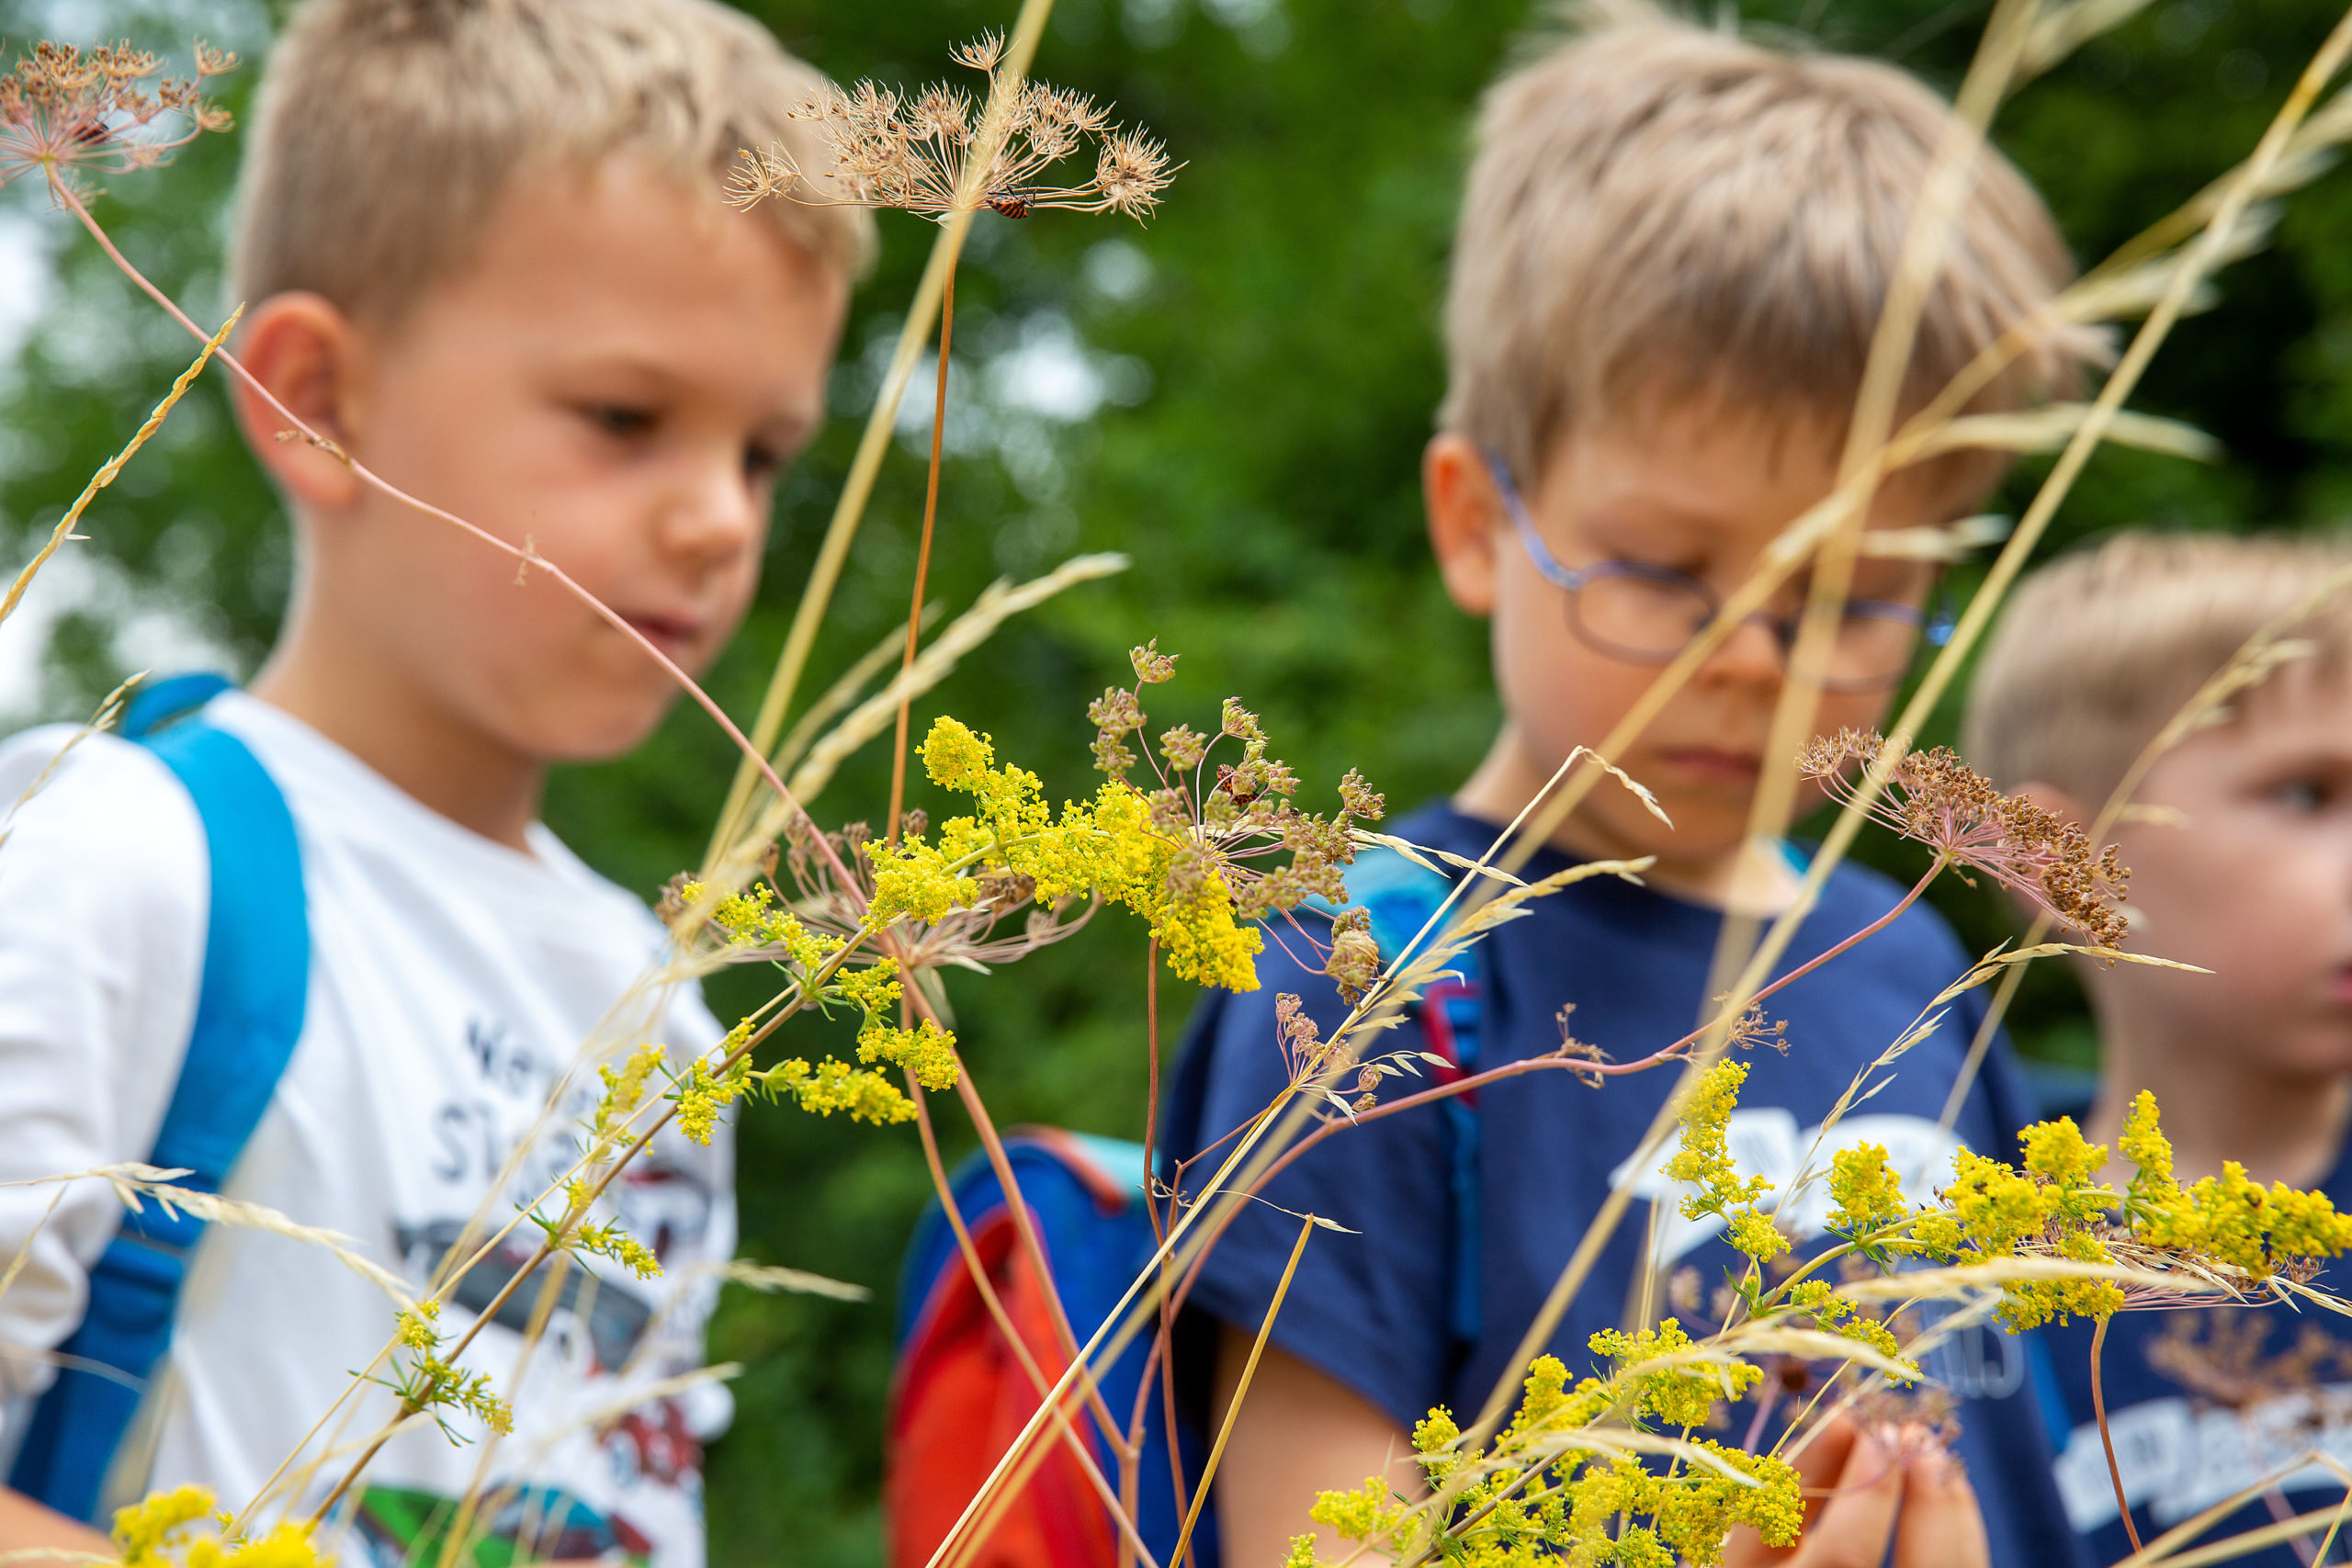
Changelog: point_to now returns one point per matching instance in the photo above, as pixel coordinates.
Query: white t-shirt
(453, 982)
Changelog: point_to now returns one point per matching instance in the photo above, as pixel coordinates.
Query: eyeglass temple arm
(1546, 564)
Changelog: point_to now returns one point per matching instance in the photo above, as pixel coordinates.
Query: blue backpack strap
(1402, 899)
(248, 1015)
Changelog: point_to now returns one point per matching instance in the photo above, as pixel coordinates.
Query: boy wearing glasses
(1670, 262)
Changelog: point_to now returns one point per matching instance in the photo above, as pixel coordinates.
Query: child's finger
(1852, 1487)
(1942, 1527)
(1856, 1521)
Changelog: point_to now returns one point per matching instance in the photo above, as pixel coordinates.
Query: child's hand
(1856, 1488)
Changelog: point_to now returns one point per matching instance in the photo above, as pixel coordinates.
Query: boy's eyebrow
(653, 372)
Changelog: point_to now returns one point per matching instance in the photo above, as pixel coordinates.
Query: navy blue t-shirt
(2178, 1446)
(1373, 1310)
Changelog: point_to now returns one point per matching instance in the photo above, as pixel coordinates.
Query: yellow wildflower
(414, 1327)
(1703, 1158)
(1865, 1194)
(143, 1529)
(834, 1085)
(1680, 1395)
(926, 1050)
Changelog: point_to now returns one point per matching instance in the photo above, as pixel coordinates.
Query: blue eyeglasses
(1647, 614)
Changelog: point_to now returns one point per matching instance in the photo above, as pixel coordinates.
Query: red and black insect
(1008, 203)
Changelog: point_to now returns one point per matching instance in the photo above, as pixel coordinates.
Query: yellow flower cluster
(1679, 1395)
(2054, 1202)
(623, 1092)
(414, 1327)
(1832, 1313)
(703, 1094)
(2230, 1217)
(926, 1050)
(608, 1240)
(1993, 1210)
(1108, 845)
(1582, 1509)
(1704, 1159)
(830, 1086)
(1865, 1194)
(149, 1535)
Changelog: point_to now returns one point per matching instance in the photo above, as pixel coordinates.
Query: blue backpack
(248, 1015)
(957, 1394)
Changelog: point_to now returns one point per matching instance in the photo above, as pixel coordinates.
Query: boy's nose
(1751, 653)
(716, 515)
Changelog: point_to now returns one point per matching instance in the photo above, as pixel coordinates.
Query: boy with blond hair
(1671, 259)
(2240, 844)
(488, 256)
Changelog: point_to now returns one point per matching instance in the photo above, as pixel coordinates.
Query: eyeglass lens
(1649, 619)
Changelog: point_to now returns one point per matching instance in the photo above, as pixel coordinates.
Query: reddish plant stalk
(1025, 1227)
(528, 559)
(922, 554)
(2107, 1439)
(1515, 1070)
(1122, 1509)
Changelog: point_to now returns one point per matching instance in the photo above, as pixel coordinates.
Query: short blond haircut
(2097, 651)
(1656, 211)
(387, 131)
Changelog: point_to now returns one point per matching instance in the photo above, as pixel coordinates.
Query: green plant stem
(1972, 622)
(1164, 1349)
(1530, 1065)
(922, 552)
(1178, 1558)
(1122, 1512)
(2107, 1439)
(849, 511)
(113, 465)
(1025, 1227)
(579, 1211)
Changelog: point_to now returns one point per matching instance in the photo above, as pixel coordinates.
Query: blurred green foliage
(1236, 396)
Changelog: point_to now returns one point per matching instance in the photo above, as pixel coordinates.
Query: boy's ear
(1464, 518)
(306, 352)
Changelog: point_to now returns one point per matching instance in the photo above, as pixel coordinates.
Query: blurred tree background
(1236, 396)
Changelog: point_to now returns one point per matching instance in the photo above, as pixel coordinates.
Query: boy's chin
(600, 731)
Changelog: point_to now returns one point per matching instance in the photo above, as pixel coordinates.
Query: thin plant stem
(1763, 1413)
(1940, 674)
(456, 1538)
(1025, 1227)
(1151, 1084)
(1925, 244)
(525, 555)
(1537, 1064)
(923, 552)
(2274, 1501)
(113, 465)
(1164, 1349)
(575, 1214)
(1121, 1513)
(1241, 1390)
(849, 511)
(2107, 1439)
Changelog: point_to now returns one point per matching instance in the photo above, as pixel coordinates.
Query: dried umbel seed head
(1356, 963)
(1934, 797)
(67, 112)
(916, 153)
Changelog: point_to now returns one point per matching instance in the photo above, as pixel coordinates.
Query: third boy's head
(487, 253)
(2245, 865)
(1670, 263)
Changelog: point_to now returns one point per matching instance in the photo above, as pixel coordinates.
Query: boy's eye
(2303, 796)
(623, 420)
(762, 462)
